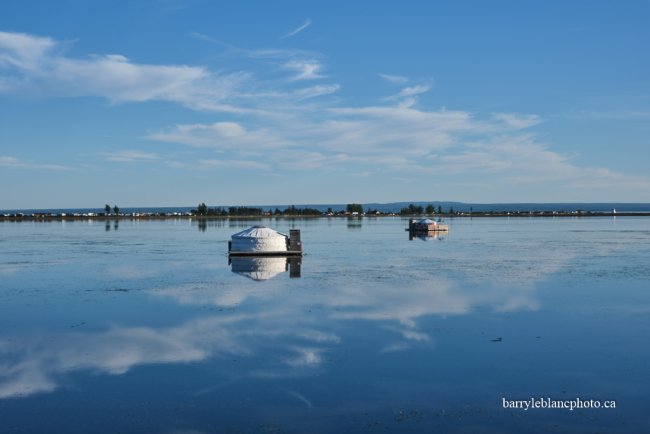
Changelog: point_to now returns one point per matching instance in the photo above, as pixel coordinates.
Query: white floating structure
(263, 241)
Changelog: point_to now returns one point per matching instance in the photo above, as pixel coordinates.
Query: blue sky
(172, 102)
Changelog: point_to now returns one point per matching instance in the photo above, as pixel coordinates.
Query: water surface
(144, 326)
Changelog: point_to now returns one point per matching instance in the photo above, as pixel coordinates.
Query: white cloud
(278, 123)
(298, 29)
(15, 163)
(517, 121)
(237, 164)
(314, 91)
(397, 79)
(402, 139)
(609, 115)
(220, 136)
(305, 69)
(410, 91)
(131, 156)
(23, 51)
(36, 64)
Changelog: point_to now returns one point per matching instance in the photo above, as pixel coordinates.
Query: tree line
(418, 210)
(351, 208)
(204, 210)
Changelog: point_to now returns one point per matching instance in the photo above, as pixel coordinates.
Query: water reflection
(37, 363)
(426, 236)
(107, 225)
(355, 222)
(278, 331)
(204, 223)
(261, 268)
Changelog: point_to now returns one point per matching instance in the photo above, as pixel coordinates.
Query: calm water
(145, 327)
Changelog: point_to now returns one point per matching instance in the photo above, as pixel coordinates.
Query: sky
(176, 102)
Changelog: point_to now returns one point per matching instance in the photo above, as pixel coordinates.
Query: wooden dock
(287, 253)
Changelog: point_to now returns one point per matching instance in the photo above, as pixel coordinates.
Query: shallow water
(145, 327)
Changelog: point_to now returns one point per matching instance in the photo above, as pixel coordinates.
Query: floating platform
(426, 225)
(437, 228)
(287, 253)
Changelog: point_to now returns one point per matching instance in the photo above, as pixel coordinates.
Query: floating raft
(426, 225)
(259, 241)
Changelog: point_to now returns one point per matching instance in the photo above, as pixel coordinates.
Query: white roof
(426, 222)
(259, 232)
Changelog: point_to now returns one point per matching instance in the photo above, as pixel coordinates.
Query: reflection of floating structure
(265, 268)
(263, 241)
(426, 225)
(427, 236)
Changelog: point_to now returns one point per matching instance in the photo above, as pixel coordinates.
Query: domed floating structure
(264, 241)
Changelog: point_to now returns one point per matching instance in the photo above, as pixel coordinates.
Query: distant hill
(461, 206)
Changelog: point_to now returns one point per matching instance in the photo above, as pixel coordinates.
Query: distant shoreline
(178, 216)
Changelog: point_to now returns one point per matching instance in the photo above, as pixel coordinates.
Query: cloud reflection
(37, 362)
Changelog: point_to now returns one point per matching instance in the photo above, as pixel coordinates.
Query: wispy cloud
(38, 66)
(212, 40)
(131, 156)
(397, 79)
(298, 29)
(517, 121)
(410, 91)
(34, 64)
(15, 163)
(237, 164)
(613, 115)
(305, 69)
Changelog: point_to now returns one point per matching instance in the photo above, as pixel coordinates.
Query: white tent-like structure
(259, 239)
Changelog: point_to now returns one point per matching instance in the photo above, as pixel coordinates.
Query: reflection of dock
(427, 236)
